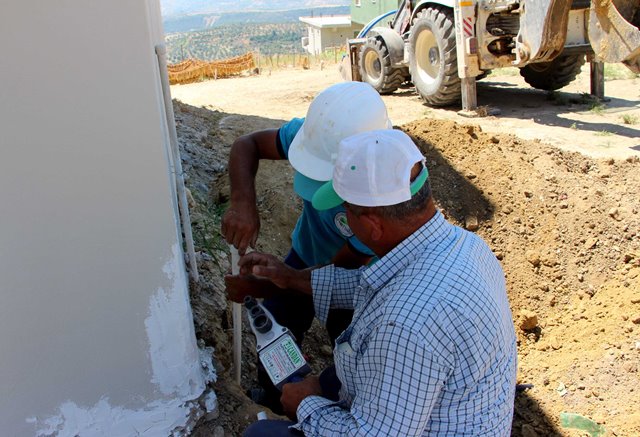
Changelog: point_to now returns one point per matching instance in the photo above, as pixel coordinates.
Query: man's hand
(240, 225)
(269, 267)
(240, 286)
(294, 393)
(266, 266)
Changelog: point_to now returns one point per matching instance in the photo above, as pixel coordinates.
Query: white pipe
(161, 53)
(237, 319)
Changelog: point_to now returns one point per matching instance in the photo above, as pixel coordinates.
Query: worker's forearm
(238, 287)
(300, 280)
(243, 166)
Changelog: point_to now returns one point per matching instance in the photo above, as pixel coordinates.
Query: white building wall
(336, 37)
(315, 40)
(322, 38)
(96, 333)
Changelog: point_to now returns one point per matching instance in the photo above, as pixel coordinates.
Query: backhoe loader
(444, 46)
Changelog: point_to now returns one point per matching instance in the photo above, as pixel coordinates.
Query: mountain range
(173, 8)
(201, 21)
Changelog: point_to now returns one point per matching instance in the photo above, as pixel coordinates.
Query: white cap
(337, 112)
(373, 169)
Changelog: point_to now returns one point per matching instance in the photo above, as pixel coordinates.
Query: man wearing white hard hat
(319, 237)
(431, 349)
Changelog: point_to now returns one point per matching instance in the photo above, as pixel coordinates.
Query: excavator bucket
(614, 31)
(542, 33)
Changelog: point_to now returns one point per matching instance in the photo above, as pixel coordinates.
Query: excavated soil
(565, 227)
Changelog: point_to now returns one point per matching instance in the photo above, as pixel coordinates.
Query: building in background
(96, 330)
(327, 31)
(333, 31)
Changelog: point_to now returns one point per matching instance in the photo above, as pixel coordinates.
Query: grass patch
(595, 105)
(598, 108)
(618, 71)
(206, 217)
(586, 99)
(629, 119)
(604, 133)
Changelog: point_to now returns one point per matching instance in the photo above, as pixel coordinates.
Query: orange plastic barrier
(193, 70)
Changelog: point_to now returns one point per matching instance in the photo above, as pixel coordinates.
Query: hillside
(235, 39)
(211, 36)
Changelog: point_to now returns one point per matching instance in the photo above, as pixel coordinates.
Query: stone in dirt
(528, 320)
(471, 223)
(533, 257)
(615, 214)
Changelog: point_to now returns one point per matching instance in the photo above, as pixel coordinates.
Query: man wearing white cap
(431, 349)
(319, 237)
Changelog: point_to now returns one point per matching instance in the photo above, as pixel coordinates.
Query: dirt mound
(566, 229)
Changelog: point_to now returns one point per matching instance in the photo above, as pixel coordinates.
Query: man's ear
(374, 225)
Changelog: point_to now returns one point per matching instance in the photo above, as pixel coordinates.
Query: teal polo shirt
(318, 235)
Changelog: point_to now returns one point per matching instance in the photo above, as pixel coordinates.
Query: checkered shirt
(431, 349)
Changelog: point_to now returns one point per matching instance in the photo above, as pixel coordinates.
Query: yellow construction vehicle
(444, 46)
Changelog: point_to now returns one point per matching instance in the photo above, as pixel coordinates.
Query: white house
(96, 331)
(327, 31)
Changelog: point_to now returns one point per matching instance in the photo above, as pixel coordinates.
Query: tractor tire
(406, 75)
(433, 61)
(553, 75)
(376, 69)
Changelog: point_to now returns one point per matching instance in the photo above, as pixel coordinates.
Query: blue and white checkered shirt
(431, 349)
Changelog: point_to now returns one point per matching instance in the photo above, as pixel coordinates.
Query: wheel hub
(434, 57)
(372, 65)
(427, 56)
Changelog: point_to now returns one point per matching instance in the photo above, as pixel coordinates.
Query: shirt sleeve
(333, 287)
(286, 134)
(397, 383)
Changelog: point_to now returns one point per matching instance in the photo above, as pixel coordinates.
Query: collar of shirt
(429, 234)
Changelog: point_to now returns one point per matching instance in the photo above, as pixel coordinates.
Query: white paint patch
(173, 352)
(160, 418)
(180, 371)
(206, 361)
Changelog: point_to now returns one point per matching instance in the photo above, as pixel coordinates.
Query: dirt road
(565, 226)
(567, 119)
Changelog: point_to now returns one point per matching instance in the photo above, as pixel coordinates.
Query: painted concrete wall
(96, 333)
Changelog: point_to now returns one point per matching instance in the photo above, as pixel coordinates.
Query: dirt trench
(566, 229)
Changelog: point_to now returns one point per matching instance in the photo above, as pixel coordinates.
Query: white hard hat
(336, 113)
(373, 169)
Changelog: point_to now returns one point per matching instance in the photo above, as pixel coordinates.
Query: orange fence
(193, 70)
